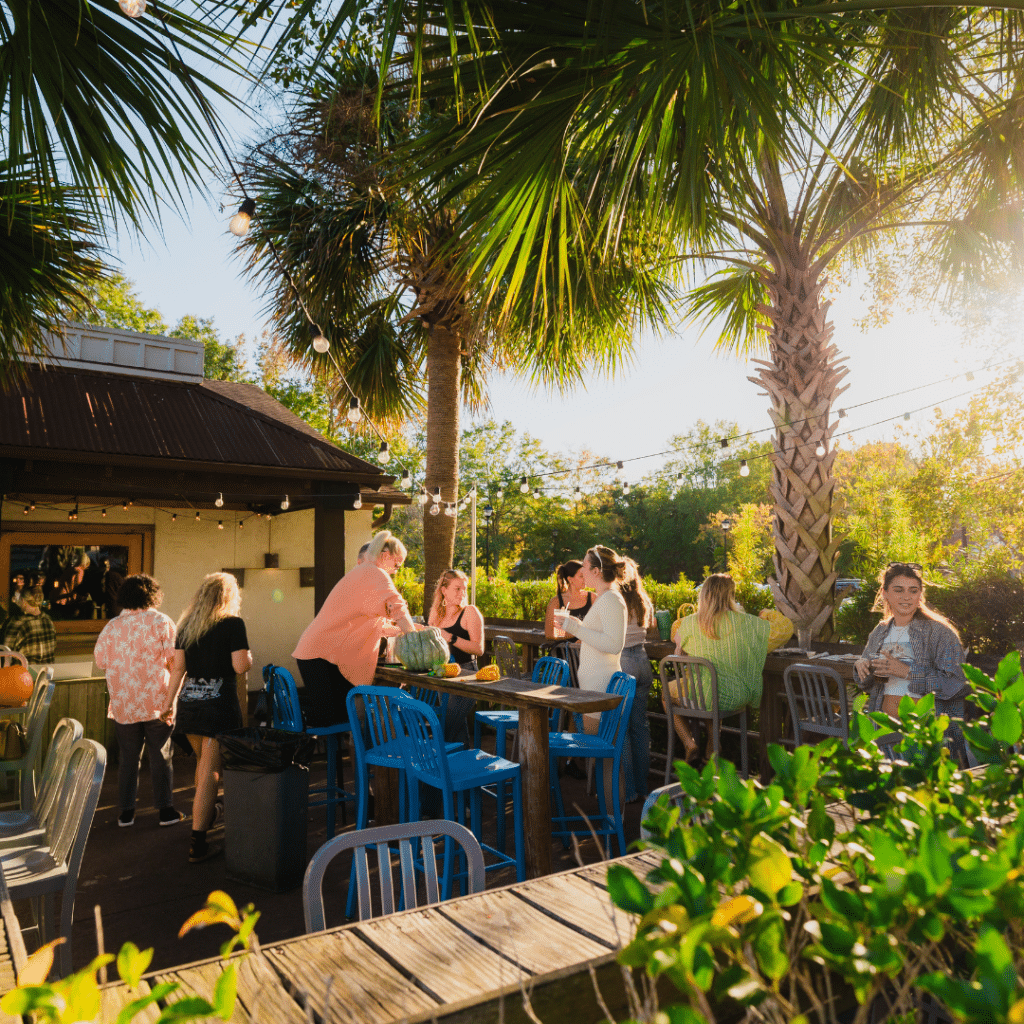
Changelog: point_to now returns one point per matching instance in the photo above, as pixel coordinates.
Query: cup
(804, 638)
(664, 619)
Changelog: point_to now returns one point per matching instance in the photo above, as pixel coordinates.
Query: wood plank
(199, 981)
(439, 954)
(641, 863)
(520, 932)
(362, 983)
(114, 998)
(78, 702)
(580, 903)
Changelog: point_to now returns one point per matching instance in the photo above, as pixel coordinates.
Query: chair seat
(569, 744)
(499, 717)
(472, 768)
(328, 730)
(389, 754)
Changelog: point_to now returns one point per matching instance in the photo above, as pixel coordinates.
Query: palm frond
(734, 301)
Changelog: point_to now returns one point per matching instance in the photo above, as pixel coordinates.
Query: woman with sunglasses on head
(913, 651)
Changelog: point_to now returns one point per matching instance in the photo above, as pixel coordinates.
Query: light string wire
(271, 245)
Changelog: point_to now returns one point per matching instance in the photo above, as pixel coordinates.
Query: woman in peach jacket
(338, 649)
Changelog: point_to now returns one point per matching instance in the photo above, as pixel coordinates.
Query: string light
(239, 224)
(220, 499)
(104, 513)
(724, 442)
(124, 507)
(239, 523)
(32, 505)
(625, 488)
(422, 496)
(437, 495)
(354, 412)
(220, 524)
(132, 8)
(906, 415)
(25, 511)
(197, 516)
(174, 517)
(320, 343)
(435, 509)
(744, 468)
(536, 494)
(620, 471)
(449, 509)
(577, 492)
(970, 375)
(842, 414)
(820, 450)
(406, 480)
(524, 486)
(384, 455)
(286, 504)
(500, 493)
(357, 503)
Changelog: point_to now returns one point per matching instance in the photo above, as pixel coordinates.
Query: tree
(113, 302)
(378, 261)
(220, 361)
(760, 146)
(100, 124)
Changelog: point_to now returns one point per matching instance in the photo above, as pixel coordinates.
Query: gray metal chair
(506, 657)
(425, 831)
(40, 872)
(818, 703)
(672, 792)
(34, 716)
(683, 687)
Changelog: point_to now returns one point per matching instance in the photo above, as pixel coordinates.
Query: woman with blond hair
(640, 625)
(211, 650)
(339, 648)
(733, 641)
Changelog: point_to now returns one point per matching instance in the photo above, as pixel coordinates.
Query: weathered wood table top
(470, 959)
(534, 704)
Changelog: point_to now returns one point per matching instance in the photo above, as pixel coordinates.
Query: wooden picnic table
(531, 639)
(468, 959)
(534, 704)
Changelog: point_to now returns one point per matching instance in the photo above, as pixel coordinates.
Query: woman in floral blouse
(134, 650)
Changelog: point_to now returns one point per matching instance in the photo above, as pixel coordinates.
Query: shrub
(852, 887)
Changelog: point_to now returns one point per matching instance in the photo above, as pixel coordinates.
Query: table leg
(386, 783)
(534, 758)
(770, 720)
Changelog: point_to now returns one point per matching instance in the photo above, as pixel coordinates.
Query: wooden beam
(328, 549)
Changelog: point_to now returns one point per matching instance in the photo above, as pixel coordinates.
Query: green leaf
(188, 1008)
(819, 825)
(1006, 723)
(627, 891)
(224, 992)
(770, 867)
(770, 950)
(1009, 670)
(132, 963)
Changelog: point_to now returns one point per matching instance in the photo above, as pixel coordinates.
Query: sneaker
(198, 852)
(170, 816)
(126, 819)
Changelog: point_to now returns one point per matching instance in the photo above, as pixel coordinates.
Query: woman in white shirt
(602, 633)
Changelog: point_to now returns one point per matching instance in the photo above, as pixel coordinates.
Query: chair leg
(67, 915)
(330, 793)
(559, 803)
(342, 795)
(745, 757)
(671, 747)
(499, 810)
(617, 811)
(716, 733)
(499, 740)
(477, 735)
(602, 804)
(517, 824)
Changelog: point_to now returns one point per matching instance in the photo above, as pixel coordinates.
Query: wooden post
(535, 760)
(328, 549)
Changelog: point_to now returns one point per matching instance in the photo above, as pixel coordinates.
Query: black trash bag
(259, 749)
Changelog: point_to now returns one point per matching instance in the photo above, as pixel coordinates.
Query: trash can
(266, 793)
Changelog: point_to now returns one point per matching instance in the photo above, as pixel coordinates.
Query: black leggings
(326, 690)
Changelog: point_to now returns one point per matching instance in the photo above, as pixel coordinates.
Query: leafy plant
(852, 884)
(78, 997)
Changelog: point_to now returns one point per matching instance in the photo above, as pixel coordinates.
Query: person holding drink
(572, 596)
(913, 651)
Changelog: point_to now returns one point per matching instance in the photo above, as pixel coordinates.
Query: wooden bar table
(534, 704)
(532, 639)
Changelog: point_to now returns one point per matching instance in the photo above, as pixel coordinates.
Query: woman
(134, 650)
(462, 626)
(571, 596)
(913, 651)
(211, 652)
(339, 648)
(640, 622)
(734, 642)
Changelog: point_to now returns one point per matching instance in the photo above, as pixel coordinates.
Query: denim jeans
(636, 754)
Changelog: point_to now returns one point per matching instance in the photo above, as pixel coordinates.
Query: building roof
(83, 413)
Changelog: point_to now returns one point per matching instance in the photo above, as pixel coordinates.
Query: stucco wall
(275, 608)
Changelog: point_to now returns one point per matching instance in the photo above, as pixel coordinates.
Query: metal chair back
(283, 692)
(569, 652)
(818, 702)
(382, 838)
(673, 793)
(548, 671)
(35, 715)
(66, 734)
(505, 655)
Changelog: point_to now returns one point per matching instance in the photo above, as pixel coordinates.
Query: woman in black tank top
(570, 596)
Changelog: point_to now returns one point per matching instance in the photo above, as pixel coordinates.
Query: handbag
(12, 741)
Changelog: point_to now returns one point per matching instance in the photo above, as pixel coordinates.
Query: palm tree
(375, 262)
(103, 122)
(761, 146)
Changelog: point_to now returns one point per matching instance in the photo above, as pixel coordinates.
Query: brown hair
(717, 596)
(564, 572)
(911, 571)
(607, 562)
(639, 607)
(139, 591)
(438, 609)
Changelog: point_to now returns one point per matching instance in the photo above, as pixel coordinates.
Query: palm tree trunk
(444, 397)
(802, 380)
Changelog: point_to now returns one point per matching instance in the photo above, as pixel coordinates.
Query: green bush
(989, 612)
(851, 887)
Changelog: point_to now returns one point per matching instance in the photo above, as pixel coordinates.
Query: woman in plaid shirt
(32, 633)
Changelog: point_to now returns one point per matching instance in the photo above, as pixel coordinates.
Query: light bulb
(220, 524)
(620, 472)
(357, 502)
(449, 509)
(239, 523)
(132, 8)
(744, 468)
(32, 505)
(536, 494)
(174, 517)
(500, 493)
(320, 343)
(820, 450)
(523, 485)
(25, 511)
(355, 414)
(842, 414)
(437, 495)
(435, 509)
(286, 504)
(625, 488)
(197, 517)
(239, 224)
(220, 499)
(384, 455)
(406, 480)
(70, 517)
(104, 513)
(124, 507)
(422, 496)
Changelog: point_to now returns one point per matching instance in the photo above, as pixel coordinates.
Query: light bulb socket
(437, 494)
(724, 442)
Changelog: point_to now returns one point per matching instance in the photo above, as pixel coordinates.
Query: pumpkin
(15, 685)
(782, 628)
(489, 673)
(422, 649)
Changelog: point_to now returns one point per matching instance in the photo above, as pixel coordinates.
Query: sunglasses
(916, 566)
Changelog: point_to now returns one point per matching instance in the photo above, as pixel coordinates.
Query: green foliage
(220, 361)
(113, 302)
(848, 874)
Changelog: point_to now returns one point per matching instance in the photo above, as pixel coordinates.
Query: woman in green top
(734, 642)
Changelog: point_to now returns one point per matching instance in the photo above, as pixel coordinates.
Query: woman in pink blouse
(338, 649)
(134, 650)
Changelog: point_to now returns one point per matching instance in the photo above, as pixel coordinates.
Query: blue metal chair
(547, 671)
(459, 775)
(283, 696)
(608, 743)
